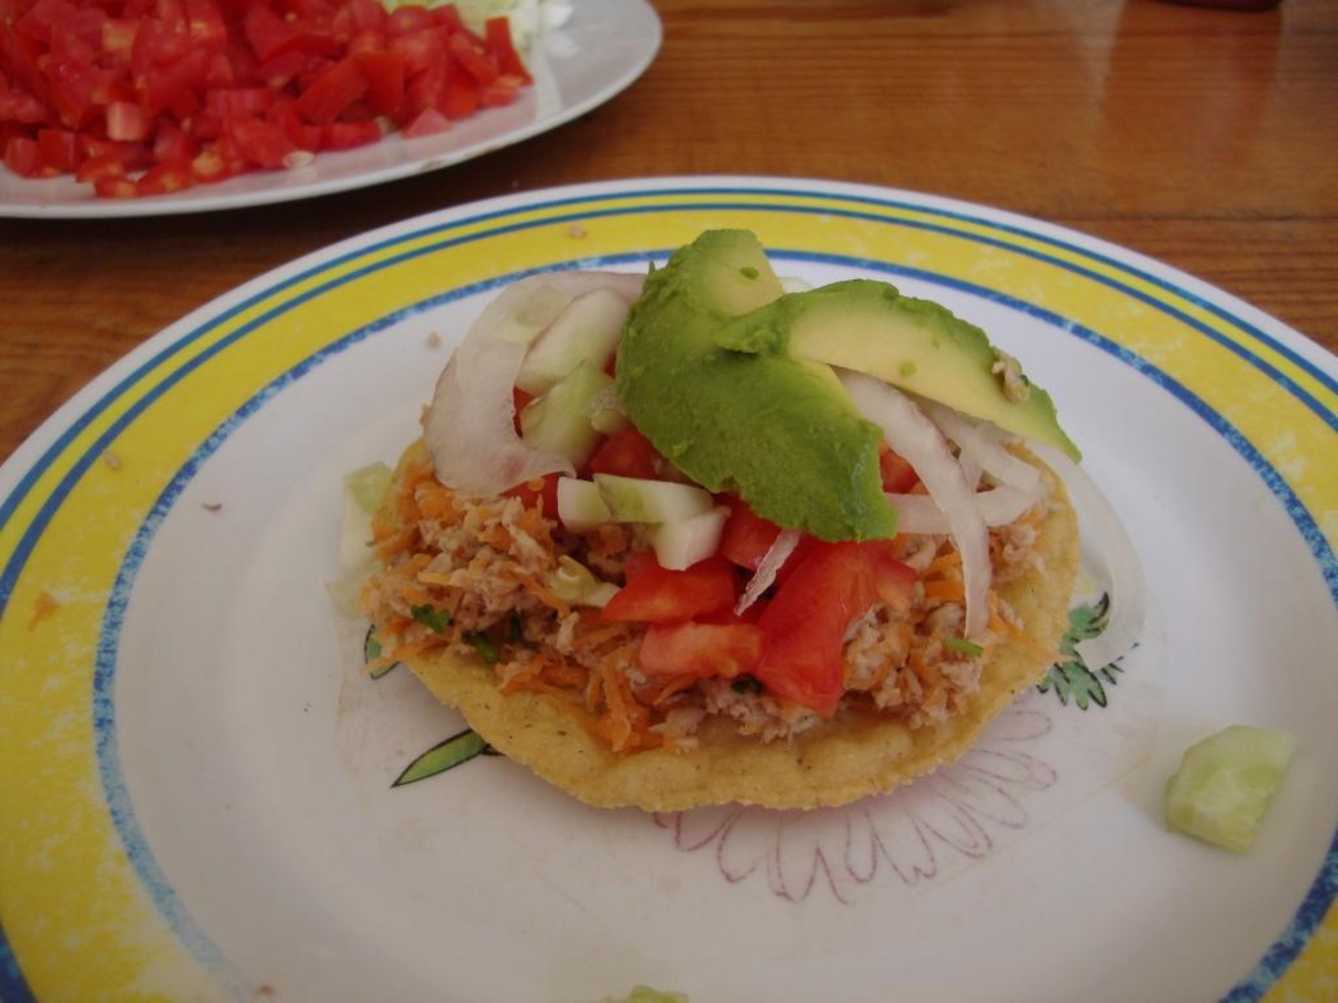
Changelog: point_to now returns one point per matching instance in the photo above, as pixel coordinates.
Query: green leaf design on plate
(1070, 678)
(443, 756)
(371, 650)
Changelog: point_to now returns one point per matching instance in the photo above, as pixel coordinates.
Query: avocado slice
(781, 432)
(911, 343)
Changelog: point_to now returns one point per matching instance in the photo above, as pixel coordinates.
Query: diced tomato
(460, 98)
(23, 157)
(831, 585)
(474, 56)
(259, 142)
(332, 92)
(428, 122)
(502, 91)
(497, 33)
(403, 20)
(209, 166)
(59, 149)
(205, 24)
(165, 178)
(209, 88)
(118, 38)
(347, 135)
(171, 144)
(365, 41)
(114, 187)
(529, 496)
(239, 102)
(304, 136)
(626, 453)
(385, 73)
(654, 595)
(44, 16)
(747, 536)
(176, 86)
(268, 33)
(16, 106)
(446, 16)
(898, 475)
(421, 49)
(67, 46)
(701, 650)
(424, 91)
(126, 122)
(278, 72)
(368, 14)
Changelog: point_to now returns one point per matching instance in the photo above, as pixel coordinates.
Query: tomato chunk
(23, 157)
(898, 475)
(701, 650)
(747, 536)
(654, 595)
(331, 92)
(497, 33)
(538, 490)
(831, 586)
(626, 453)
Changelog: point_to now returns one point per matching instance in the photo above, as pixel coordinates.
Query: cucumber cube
(680, 545)
(1225, 784)
(559, 421)
(634, 499)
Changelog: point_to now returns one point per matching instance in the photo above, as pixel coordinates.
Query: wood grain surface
(1206, 138)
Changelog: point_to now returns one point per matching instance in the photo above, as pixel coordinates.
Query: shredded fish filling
(455, 567)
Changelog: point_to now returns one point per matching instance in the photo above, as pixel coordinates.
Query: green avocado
(911, 343)
(781, 432)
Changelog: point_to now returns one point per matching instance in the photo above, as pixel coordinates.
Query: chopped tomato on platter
(206, 89)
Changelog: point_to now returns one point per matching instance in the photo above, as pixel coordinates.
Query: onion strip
(772, 561)
(469, 427)
(918, 440)
(997, 506)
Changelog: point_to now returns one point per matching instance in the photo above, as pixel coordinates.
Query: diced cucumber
(559, 422)
(585, 332)
(369, 485)
(634, 499)
(580, 505)
(1226, 782)
(679, 545)
(573, 582)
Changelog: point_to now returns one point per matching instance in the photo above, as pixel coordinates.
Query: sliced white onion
(977, 444)
(1106, 545)
(997, 506)
(469, 426)
(916, 439)
(772, 561)
(971, 472)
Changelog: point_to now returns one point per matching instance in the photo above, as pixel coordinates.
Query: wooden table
(1206, 138)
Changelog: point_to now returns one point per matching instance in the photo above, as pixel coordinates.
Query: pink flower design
(909, 832)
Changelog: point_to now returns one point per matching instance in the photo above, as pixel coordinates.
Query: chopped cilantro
(484, 645)
(748, 272)
(963, 646)
(430, 616)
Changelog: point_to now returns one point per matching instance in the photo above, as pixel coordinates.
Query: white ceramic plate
(605, 46)
(197, 777)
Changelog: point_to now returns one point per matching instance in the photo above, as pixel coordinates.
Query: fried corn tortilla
(855, 754)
